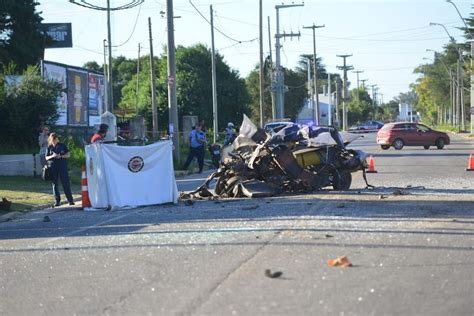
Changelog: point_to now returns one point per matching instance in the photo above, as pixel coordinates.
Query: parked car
(410, 134)
(369, 126)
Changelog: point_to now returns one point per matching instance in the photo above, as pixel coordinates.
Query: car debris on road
(295, 159)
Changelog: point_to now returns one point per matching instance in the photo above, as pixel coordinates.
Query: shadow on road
(239, 214)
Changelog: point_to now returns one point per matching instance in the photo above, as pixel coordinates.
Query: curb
(15, 214)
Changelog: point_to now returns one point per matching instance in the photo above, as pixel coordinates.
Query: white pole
(329, 101)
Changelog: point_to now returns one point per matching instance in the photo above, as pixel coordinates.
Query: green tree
(93, 65)
(25, 104)
(21, 40)
(360, 108)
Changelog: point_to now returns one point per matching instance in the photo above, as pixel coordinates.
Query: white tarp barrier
(130, 176)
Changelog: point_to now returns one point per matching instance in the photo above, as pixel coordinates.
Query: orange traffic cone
(470, 166)
(85, 192)
(371, 165)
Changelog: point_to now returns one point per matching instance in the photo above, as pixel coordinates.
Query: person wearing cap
(230, 134)
(100, 135)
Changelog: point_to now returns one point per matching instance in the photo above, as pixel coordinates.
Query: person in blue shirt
(197, 143)
(56, 155)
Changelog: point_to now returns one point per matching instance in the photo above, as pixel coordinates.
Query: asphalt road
(410, 240)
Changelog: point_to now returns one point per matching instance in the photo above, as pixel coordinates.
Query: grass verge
(27, 193)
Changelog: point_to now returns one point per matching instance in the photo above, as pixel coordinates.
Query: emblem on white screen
(136, 164)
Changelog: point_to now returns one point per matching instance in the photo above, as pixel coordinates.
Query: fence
(20, 165)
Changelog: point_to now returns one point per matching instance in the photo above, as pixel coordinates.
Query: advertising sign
(77, 92)
(58, 73)
(96, 98)
(59, 33)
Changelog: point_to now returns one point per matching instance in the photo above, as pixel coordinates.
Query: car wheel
(440, 143)
(426, 147)
(398, 144)
(342, 180)
(385, 147)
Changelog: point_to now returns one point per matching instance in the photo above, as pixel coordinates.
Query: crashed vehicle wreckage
(295, 159)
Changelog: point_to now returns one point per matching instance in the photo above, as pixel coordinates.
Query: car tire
(426, 147)
(342, 180)
(398, 144)
(385, 147)
(440, 143)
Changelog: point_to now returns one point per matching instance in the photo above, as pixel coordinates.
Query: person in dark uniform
(56, 155)
(197, 142)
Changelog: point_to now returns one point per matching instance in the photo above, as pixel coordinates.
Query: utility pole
(358, 72)
(106, 78)
(272, 73)
(138, 73)
(279, 82)
(458, 91)
(310, 86)
(109, 42)
(260, 26)
(338, 87)
(373, 95)
(214, 82)
(153, 84)
(345, 68)
(316, 109)
(329, 100)
(173, 128)
(363, 82)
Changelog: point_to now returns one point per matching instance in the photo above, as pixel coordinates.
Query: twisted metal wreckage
(294, 159)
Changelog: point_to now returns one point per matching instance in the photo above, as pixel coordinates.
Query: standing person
(101, 133)
(197, 143)
(43, 144)
(230, 134)
(57, 154)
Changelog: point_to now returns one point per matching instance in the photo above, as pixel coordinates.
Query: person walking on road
(56, 154)
(197, 143)
(43, 144)
(101, 133)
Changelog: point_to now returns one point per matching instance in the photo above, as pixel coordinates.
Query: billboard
(96, 98)
(82, 100)
(78, 95)
(60, 34)
(58, 73)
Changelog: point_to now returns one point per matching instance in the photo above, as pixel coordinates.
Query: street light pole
(472, 64)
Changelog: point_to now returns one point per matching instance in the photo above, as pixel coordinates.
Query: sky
(387, 38)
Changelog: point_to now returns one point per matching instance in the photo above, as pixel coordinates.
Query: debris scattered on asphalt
(188, 202)
(341, 205)
(249, 208)
(381, 197)
(273, 275)
(328, 236)
(341, 262)
(401, 192)
(257, 237)
(46, 219)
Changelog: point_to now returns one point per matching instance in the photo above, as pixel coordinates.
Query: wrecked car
(295, 159)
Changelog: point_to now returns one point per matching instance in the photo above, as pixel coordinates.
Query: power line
(215, 28)
(134, 26)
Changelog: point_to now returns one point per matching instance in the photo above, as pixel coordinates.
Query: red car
(410, 134)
